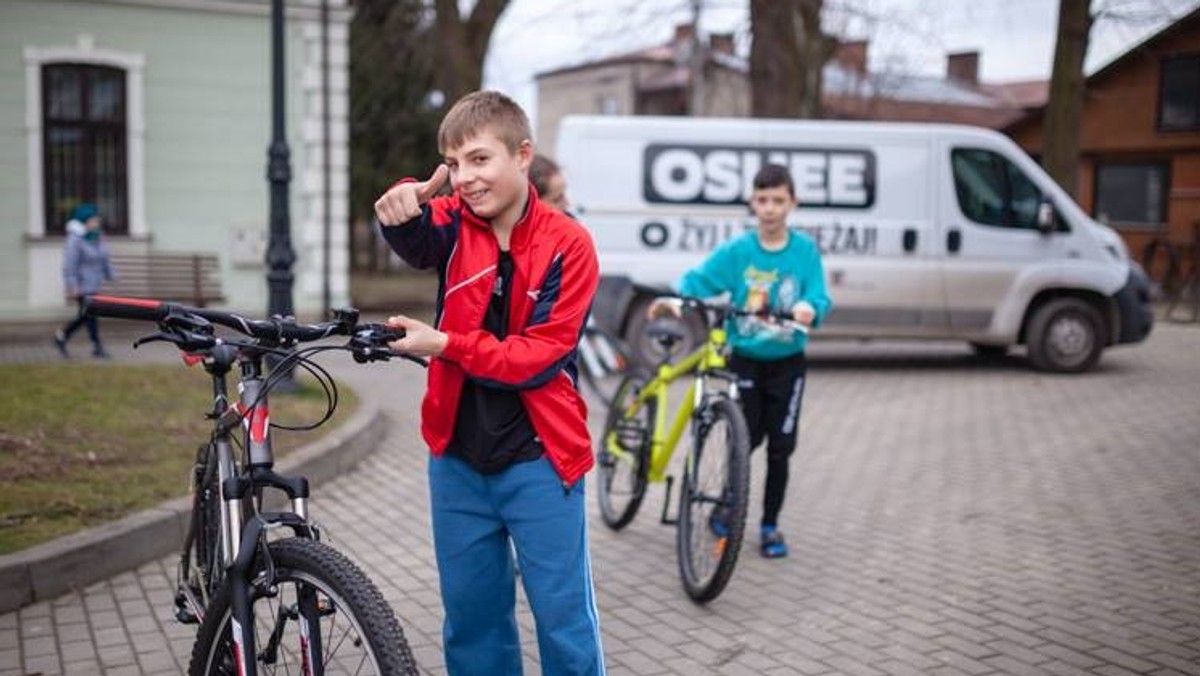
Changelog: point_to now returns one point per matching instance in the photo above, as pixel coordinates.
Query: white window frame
(85, 51)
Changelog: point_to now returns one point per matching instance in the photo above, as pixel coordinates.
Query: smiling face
(490, 178)
(772, 206)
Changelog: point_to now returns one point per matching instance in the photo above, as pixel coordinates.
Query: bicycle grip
(125, 308)
(380, 334)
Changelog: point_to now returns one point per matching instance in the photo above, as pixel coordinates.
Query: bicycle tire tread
(379, 625)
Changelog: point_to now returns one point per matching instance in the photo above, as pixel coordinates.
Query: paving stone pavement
(946, 516)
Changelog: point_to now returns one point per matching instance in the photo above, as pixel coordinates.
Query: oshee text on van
(723, 175)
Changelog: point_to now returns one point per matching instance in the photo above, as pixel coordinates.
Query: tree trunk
(774, 60)
(787, 53)
(463, 45)
(815, 50)
(1064, 111)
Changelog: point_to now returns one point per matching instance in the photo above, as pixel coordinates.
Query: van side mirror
(1046, 218)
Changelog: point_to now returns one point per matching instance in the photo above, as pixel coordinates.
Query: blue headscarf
(84, 211)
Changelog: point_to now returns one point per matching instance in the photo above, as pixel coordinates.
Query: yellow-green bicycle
(637, 446)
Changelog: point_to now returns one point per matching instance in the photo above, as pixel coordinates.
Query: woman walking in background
(85, 267)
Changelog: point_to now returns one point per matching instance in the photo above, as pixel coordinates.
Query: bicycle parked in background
(602, 361)
(264, 602)
(1175, 268)
(638, 442)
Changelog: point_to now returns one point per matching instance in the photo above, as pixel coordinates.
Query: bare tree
(774, 60)
(788, 51)
(1060, 144)
(463, 44)
(815, 49)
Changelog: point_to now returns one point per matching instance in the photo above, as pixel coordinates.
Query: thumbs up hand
(402, 202)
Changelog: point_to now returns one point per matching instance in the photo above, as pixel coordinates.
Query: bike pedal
(185, 616)
(183, 613)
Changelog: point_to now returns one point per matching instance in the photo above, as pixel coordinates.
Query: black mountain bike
(263, 601)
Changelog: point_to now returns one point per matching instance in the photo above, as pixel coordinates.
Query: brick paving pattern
(946, 516)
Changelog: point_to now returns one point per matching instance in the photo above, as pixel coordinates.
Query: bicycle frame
(239, 540)
(705, 360)
(246, 561)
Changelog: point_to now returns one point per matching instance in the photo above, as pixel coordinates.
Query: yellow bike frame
(707, 357)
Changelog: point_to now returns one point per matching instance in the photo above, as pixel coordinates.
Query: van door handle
(910, 240)
(954, 240)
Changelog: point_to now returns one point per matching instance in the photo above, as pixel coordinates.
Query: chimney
(963, 67)
(721, 43)
(852, 55)
(683, 34)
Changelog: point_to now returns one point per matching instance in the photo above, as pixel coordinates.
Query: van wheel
(645, 351)
(1066, 335)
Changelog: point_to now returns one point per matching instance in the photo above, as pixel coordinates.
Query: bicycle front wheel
(355, 631)
(713, 500)
(623, 458)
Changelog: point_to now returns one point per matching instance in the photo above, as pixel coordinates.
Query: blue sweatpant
(474, 517)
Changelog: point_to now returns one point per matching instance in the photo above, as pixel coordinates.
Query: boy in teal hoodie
(773, 269)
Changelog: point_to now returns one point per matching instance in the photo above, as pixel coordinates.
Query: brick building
(1140, 143)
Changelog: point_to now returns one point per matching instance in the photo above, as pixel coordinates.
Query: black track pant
(771, 393)
(81, 319)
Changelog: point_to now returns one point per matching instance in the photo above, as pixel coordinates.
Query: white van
(927, 230)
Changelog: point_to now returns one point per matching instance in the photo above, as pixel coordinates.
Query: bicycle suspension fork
(247, 539)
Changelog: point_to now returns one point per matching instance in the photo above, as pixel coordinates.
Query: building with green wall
(160, 111)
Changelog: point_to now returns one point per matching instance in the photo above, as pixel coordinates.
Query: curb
(74, 561)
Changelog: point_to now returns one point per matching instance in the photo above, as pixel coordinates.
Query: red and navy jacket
(555, 275)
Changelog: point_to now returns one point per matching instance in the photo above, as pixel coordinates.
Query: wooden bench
(189, 278)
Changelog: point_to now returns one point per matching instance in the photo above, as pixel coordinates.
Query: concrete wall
(581, 91)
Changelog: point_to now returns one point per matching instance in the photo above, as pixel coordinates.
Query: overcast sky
(1015, 38)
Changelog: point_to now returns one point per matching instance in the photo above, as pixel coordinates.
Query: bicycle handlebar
(190, 328)
(723, 310)
(278, 330)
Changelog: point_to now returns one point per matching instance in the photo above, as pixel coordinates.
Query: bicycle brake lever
(152, 339)
(415, 360)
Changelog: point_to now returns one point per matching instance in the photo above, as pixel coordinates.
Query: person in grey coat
(85, 267)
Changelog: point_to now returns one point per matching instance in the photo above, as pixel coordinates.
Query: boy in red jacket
(503, 419)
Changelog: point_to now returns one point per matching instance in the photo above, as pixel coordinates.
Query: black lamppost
(280, 255)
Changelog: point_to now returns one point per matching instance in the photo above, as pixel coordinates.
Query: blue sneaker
(773, 545)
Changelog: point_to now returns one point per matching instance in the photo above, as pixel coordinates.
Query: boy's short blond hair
(482, 110)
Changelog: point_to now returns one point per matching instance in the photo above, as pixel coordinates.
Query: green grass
(84, 444)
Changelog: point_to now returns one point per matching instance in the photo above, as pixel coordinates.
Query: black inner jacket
(493, 431)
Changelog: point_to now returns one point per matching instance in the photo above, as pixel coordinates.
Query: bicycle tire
(1160, 260)
(345, 596)
(621, 481)
(707, 554)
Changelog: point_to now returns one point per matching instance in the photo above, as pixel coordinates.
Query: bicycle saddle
(665, 333)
